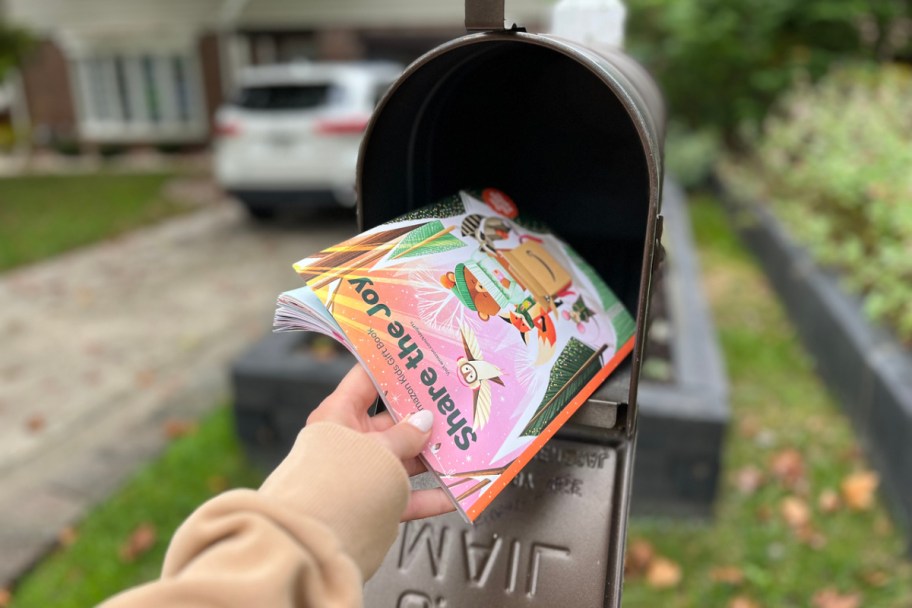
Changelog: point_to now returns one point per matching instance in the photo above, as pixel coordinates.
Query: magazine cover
(473, 311)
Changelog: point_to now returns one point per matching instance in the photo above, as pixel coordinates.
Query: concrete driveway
(102, 345)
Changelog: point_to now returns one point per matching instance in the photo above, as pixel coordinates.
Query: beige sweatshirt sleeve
(317, 528)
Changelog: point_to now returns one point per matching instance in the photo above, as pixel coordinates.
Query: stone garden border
(865, 367)
(682, 424)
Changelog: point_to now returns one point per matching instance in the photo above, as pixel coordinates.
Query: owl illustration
(477, 374)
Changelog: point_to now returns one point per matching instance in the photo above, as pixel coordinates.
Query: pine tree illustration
(574, 368)
(428, 239)
(448, 207)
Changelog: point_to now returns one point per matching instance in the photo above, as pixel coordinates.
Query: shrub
(690, 155)
(111, 150)
(7, 138)
(15, 44)
(722, 64)
(169, 148)
(66, 146)
(836, 160)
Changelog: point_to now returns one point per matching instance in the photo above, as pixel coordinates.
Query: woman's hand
(348, 406)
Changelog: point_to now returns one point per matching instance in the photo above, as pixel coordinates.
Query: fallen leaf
(811, 537)
(830, 598)
(35, 423)
(742, 601)
(788, 467)
(5, 597)
(828, 501)
(141, 540)
(795, 512)
(748, 480)
(84, 296)
(663, 573)
(144, 378)
(67, 536)
(217, 483)
(858, 490)
(852, 454)
(176, 427)
(883, 526)
(816, 424)
(749, 427)
(876, 578)
(640, 554)
(730, 575)
(93, 348)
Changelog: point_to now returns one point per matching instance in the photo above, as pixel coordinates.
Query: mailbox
(575, 136)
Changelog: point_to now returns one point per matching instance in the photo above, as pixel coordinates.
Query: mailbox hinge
(487, 16)
(659, 255)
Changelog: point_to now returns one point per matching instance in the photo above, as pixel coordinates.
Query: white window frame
(108, 75)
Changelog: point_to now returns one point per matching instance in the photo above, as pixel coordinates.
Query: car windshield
(285, 97)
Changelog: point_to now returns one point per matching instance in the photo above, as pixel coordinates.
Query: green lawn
(41, 216)
(774, 542)
(93, 567)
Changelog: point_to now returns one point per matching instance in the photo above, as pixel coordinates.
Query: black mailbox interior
(529, 120)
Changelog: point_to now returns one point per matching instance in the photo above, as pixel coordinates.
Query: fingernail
(422, 420)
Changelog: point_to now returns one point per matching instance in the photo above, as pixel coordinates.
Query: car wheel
(260, 212)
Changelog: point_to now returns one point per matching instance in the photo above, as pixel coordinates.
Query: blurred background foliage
(722, 64)
(15, 42)
(835, 161)
(809, 104)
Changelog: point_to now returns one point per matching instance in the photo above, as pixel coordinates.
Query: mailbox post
(575, 137)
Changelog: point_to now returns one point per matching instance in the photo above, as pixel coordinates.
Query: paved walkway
(99, 347)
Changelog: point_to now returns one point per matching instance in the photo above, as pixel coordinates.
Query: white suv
(291, 136)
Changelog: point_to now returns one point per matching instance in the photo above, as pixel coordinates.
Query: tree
(722, 64)
(15, 42)
(427, 239)
(575, 367)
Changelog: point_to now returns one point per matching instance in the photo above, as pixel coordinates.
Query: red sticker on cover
(499, 202)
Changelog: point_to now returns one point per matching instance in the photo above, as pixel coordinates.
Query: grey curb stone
(867, 370)
(682, 425)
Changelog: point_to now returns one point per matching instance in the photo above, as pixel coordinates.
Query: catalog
(470, 309)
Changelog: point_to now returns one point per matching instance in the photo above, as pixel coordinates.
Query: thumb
(407, 438)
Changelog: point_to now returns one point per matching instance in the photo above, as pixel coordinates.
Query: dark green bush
(836, 162)
(15, 43)
(169, 148)
(112, 150)
(66, 146)
(722, 63)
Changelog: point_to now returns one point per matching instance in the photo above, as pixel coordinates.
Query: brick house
(142, 72)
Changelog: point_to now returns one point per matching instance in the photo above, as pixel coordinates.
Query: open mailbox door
(575, 136)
